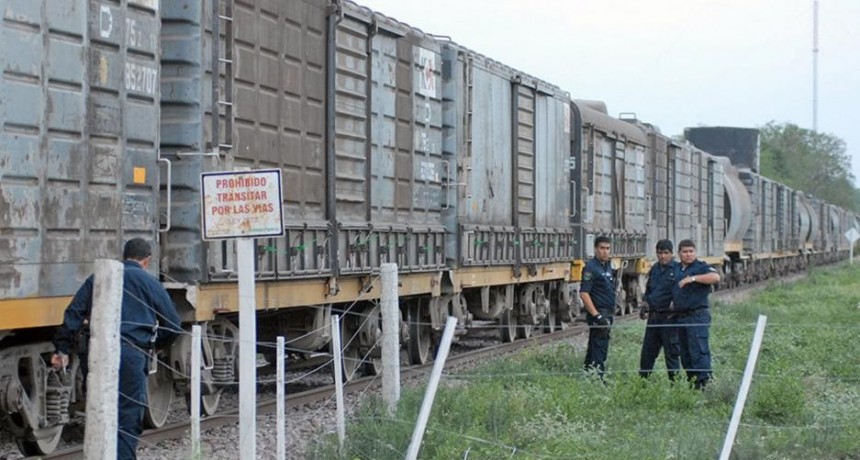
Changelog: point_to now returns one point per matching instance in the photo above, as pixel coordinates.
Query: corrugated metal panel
(388, 145)
(681, 190)
(279, 108)
(767, 215)
(525, 159)
(79, 140)
(552, 238)
(615, 180)
(599, 212)
(718, 223)
(785, 238)
(696, 198)
(634, 188)
(659, 187)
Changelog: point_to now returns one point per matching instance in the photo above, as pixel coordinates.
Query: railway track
(324, 393)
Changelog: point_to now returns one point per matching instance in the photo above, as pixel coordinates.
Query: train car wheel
(420, 335)
(508, 326)
(159, 396)
(208, 403)
(40, 442)
(549, 323)
(372, 326)
(525, 331)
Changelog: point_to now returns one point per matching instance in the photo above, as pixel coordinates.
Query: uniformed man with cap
(691, 312)
(597, 292)
(660, 332)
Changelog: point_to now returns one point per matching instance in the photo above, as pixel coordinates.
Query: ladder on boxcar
(223, 108)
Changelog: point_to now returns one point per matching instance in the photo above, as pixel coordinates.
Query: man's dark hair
(601, 239)
(664, 245)
(136, 249)
(686, 244)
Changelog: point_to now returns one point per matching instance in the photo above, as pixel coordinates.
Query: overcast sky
(675, 63)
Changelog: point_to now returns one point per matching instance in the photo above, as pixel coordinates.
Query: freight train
(484, 184)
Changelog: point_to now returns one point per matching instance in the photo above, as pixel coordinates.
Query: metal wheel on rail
(223, 337)
(159, 395)
(42, 441)
(549, 322)
(508, 325)
(529, 298)
(221, 342)
(373, 328)
(208, 403)
(524, 331)
(420, 345)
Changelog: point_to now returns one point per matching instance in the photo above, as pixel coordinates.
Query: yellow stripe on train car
(32, 312)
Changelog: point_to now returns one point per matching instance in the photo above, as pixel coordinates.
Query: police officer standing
(148, 320)
(691, 312)
(660, 331)
(597, 292)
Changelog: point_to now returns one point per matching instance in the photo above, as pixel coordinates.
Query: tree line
(816, 163)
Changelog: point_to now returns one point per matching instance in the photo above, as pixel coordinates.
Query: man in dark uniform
(660, 331)
(691, 313)
(597, 292)
(149, 320)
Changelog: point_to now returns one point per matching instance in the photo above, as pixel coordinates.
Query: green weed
(804, 400)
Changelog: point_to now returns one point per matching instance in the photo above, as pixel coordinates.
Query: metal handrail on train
(169, 192)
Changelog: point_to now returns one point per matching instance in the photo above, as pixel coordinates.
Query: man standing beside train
(660, 332)
(148, 320)
(597, 292)
(691, 312)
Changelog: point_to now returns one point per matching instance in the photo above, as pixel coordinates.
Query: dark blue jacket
(599, 283)
(661, 281)
(144, 301)
(694, 295)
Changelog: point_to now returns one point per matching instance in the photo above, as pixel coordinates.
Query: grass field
(804, 402)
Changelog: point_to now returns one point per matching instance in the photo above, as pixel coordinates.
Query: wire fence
(623, 330)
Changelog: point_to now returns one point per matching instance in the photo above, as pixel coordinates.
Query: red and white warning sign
(242, 204)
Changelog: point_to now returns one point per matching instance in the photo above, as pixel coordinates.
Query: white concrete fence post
(338, 379)
(390, 337)
(103, 379)
(430, 395)
(746, 382)
(281, 417)
(196, 356)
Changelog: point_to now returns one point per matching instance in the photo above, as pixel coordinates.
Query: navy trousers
(133, 373)
(660, 332)
(693, 331)
(598, 346)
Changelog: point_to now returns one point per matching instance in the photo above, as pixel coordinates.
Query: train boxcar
(611, 172)
(507, 139)
(78, 175)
